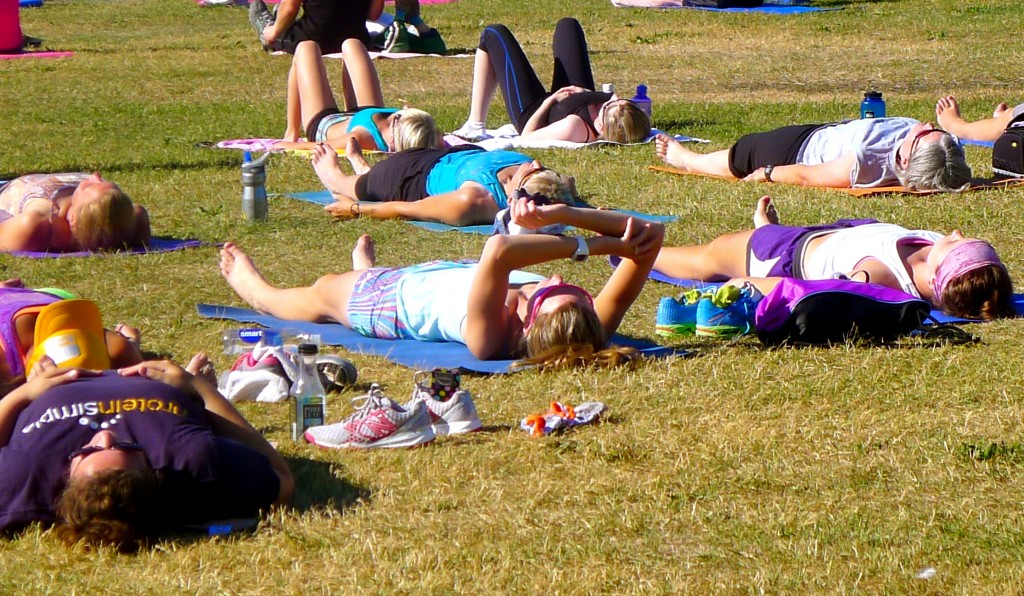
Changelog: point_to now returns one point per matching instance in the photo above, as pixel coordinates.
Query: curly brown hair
(113, 508)
(984, 293)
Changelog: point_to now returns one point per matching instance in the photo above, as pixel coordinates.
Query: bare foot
(765, 212)
(14, 282)
(364, 254)
(947, 112)
(129, 332)
(354, 154)
(200, 366)
(671, 151)
(325, 163)
(242, 275)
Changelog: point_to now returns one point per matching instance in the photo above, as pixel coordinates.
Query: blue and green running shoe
(728, 312)
(677, 316)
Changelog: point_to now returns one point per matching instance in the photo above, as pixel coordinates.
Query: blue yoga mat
(988, 144)
(155, 245)
(769, 9)
(30, 3)
(409, 353)
(323, 197)
(938, 315)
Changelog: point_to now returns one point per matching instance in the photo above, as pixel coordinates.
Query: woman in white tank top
(963, 276)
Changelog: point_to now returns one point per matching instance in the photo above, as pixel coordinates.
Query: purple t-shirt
(210, 477)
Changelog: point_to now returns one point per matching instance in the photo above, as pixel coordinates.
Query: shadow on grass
(318, 486)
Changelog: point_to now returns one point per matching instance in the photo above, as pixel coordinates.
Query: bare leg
(724, 258)
(360, 76)
(484, 85)
(327, 168)
(457, 208)
(674, 154)
(364, 254)
(947, 112)
(312, 86)
(765, 213)
(324, 301)
(293, 128)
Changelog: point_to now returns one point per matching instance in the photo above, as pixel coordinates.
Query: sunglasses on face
(534, 303)
(125, 446)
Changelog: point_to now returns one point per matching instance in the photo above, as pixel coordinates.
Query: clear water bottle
(873, 105)
(308, 395)
(254, 191)
(641, 99)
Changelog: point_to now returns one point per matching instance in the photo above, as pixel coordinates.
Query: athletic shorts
(778, 251)
(316, 130)
(372, 308)
(777, 147)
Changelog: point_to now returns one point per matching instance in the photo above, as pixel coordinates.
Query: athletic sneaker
(335, 371)
(677, 317)
(453, 415)
(260, 17)
(472, 131)
(728, 312)
(378, 422)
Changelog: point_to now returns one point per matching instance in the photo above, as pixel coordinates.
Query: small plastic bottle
(608, 88)
(254, 191)
(641, 99)
(873, 105)
(308, 395)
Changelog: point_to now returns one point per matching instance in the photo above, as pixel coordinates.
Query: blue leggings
(522, 90)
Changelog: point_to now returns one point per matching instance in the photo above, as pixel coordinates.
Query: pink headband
(966, 257)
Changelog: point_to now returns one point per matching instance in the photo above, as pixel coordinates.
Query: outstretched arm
(831, 174)
(469, 205)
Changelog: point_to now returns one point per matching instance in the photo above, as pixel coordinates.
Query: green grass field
(739, 470)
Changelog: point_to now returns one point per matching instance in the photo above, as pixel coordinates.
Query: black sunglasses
(127, 446)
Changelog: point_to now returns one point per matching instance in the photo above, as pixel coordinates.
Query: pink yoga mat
(36, 55)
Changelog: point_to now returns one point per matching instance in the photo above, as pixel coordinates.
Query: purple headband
(966, 257)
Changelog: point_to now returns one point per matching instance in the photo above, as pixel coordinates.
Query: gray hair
(415, 129)
(937, 166)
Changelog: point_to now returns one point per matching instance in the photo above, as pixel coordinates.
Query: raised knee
(351, 45)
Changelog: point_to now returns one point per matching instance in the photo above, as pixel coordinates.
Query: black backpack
(1008, 151)
(834, 311)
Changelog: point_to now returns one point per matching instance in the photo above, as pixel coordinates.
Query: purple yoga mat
(36, 55)
(156, 245)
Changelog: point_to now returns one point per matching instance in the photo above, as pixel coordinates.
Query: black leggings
(522, 90)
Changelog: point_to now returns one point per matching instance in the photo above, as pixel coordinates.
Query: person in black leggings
(571, 111)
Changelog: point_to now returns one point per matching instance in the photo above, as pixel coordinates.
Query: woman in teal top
(459, 186)
(313, 111)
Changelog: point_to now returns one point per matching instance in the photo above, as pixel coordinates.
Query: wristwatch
(768, 172)
(582, 250)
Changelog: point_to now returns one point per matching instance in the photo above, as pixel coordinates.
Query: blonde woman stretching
(491, 306)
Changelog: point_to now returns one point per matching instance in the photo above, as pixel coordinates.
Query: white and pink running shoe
(452, 416)
(378, 422)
